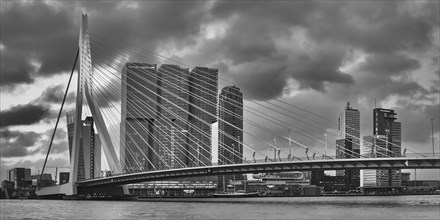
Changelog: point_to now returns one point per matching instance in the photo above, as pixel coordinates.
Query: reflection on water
(353, 207)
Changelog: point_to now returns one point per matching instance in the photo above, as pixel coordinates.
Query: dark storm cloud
(117, 27)
(321, 66)
(16, 143)
(24, 114)
(11, 73)
(384, 64)
(249, 52)
(59, 144)
(37, 110)
(252, 37)
(252, 78)
(377, 26)
(417, 116)
(60, 147)
(60, 134)
(35, 33)
(55, 94)
(47, 33)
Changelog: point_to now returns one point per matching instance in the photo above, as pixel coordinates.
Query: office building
(375, 146)
(349, 125)
(230, 131)
(21, 177)
(385, 125)
(230, 114)
(203, 86)
(139, 88)
(385, 142)
(348, 146)
(89, 160)
(166, 116)
(172, 118)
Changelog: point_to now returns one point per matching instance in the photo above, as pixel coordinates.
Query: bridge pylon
(85, 89)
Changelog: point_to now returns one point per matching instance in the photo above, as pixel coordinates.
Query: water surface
(353, 207)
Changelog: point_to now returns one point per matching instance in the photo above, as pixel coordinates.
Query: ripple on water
(349, 207)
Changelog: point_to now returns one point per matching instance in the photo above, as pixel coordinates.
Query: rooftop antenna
(375, 103)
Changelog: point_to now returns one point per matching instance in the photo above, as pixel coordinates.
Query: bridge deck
(339, 164)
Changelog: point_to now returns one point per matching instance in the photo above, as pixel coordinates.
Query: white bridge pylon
(85, 88)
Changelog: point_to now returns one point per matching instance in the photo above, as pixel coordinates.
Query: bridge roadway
(334, 164)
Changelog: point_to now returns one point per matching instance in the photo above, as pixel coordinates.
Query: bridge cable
(59, 114)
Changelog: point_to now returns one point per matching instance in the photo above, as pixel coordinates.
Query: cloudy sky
(314, 54)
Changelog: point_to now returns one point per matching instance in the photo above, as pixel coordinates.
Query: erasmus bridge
(162, 126)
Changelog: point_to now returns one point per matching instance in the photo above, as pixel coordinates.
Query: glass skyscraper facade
(230, 131)
(385, 142)
(203, 86)
(230, 113)
(349, 130)
(89, 160)
(166, 116)
(348, 146)
(138, 114)
(172, 120)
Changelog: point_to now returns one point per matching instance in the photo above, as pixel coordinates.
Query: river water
(349, 207)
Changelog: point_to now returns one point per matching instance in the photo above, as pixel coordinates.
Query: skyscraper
(166, 116)
(89, 160)
(385, 124)
(349, 144)
(203, 85)
(230, 131)
(385, 142)
(349, 130)
(172, 120)
(230, 114)
(139, 109)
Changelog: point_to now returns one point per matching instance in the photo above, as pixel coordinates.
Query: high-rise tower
(385, 142)
(385, 125)
(348, 146)
(230, 113)
(349, 131)
(172, 119)
(230, 131)
(138, 113)
(89, 159)
(203, 86)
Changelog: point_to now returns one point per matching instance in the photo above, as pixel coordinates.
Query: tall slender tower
(89, 157)
(173, 116)
(348, 146)
(203, 86)
(389, 131)
(139, 91)
(385, 125)
(385, 142)
(230, 113)
(230, 131)
(349, 130)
